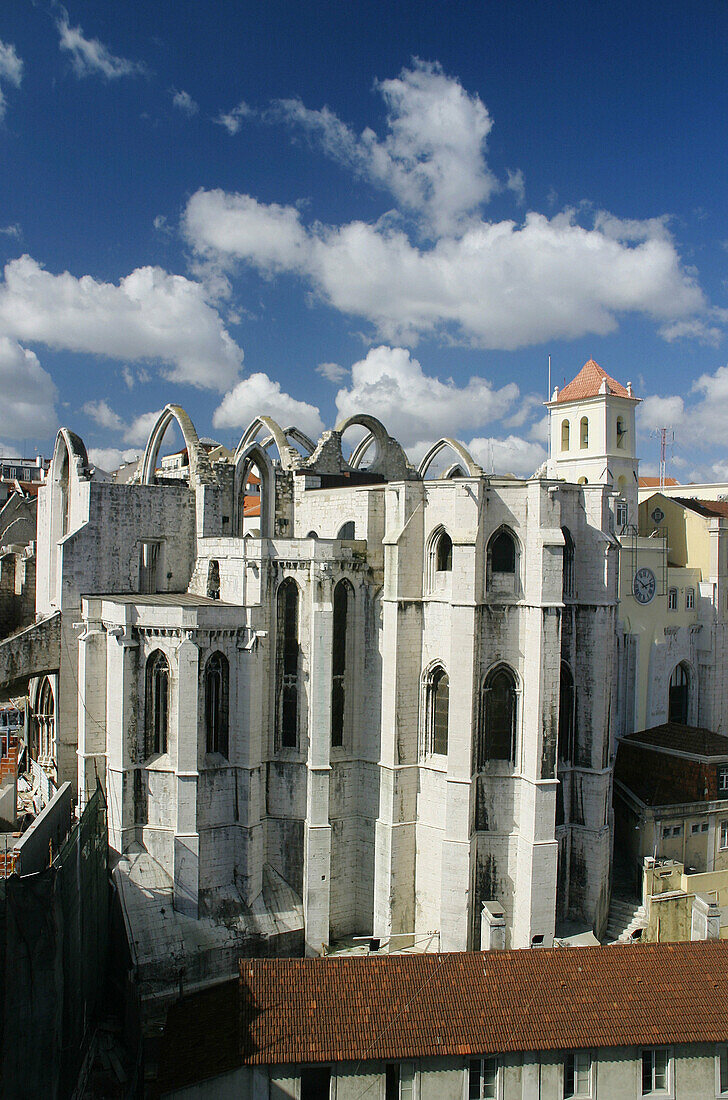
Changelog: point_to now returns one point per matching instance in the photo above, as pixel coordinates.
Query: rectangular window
(482, 1078)
(149, 567)
(677, 830)
(724, 834)
(721, 1071)
(672, 599)
(400, 1081)
(695, 829)
(666, 832)
(689, 599)
(655, 1071)
(723, 779)
(315, 1082)
(621, 513)
(704, 827)
(577, 1073)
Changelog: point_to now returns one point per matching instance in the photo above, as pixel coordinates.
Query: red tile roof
(705, 508)
(654, 482)
(410, 1006)
(588, 383)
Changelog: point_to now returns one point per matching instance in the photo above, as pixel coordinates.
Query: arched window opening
(45, 717)
(437, 711)
(217, 694)
(287, 665)
(621, 432)
(498, 706)
(502, 553)
(583, 481)
(443, 553)
(347, 530)
(254, 490)
(342, 598)
(584, 432)
(63, 481)
(569, 587)
(565, 433)
(679, 695)
(566, 715)
(213, 580)
(157, 704)
(312, 535)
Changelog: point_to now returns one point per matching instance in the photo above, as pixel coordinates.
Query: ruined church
(331, 693)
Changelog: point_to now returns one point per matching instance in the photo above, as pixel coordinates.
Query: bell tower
(592, 435)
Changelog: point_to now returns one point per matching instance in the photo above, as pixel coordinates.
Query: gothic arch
(295, 434)
(289, 456)
(255, 455)
(391, 460)
(200, 467)
(463, 455)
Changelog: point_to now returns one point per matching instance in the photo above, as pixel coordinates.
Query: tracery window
(287, 665)
(497, 719)
(217, 695)
(341, 640)
(436, 710)
(157, 704)
(45, 717)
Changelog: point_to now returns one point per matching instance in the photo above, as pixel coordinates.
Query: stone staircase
(626, 916)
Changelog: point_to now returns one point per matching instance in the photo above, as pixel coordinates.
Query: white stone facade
(395, 763)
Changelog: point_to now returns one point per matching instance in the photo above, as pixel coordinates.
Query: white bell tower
(592, 435)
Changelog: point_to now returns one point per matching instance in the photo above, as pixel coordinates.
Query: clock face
(644, 585)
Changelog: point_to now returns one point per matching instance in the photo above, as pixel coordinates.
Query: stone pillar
(317, 829)
(121, 724)
(184, 754)
(91, 709)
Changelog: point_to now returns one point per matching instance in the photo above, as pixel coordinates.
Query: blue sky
(401, 209)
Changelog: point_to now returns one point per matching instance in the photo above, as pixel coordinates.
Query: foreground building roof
(409, 1006)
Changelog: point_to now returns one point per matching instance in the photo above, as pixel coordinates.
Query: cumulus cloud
(104, 415)
(11, 71)
(258, 395)
(138, 432)
(517, 184)
(110, 458)
(233, 120)
(332, 372)
(499, 285)
(512, 455)
(13, 231)
(391, 385)
(27, 394)
(150, 315)
(184, 102)
(89, 57)
(660, 412)
(432, 158)
(698, 418)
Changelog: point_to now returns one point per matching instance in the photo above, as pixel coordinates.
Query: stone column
(91, 750)
(317, 828)
(121, 725)
(184, 755)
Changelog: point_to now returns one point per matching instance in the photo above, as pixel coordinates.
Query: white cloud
(110, 458)
(499, 285)
(432, 158)
(698, 419)
(132, 376)
(11, 70)
(13, 231)
(517, 184)
(138, 432)
(259, 395)
(27, 394)
(512, 455)
(233, 120)
(660, 412)
(150, 315)
(391, 385)
(694, 328)
(90, 57)
(332, 372)
(104, 415)
(184, 102)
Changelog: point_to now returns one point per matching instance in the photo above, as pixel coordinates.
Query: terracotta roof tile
(588, 383)
(705, 508)
(409, 1006)
(654, 482)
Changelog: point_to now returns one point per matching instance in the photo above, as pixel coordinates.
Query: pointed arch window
(217, 694)
(287, 665)
(568, 586)
(621, 432)
(347, 530)
(443, 553)
(565, 434)
(45, 717)
(567, 724)
(343, 595)
(213, 580)
(679, 695)
(157, 704)
(502, 553)
(584, 432)
(498, 711)
(437, 710)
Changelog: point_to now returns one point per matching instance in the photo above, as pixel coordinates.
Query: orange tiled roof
(412, 1006)
(588, 383)
(251, 505)
(654, 482)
